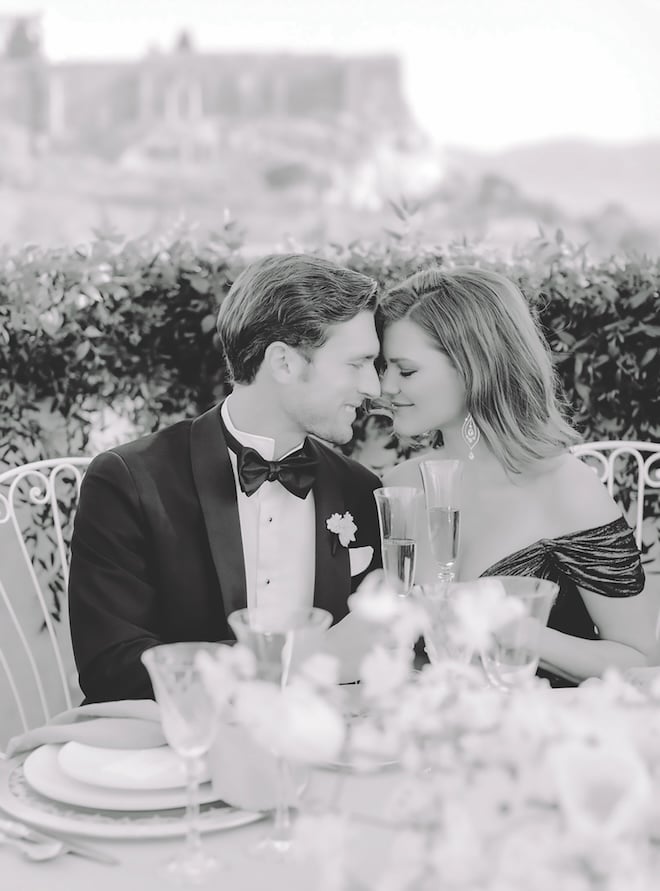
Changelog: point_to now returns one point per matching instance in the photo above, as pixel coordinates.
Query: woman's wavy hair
(293, 298)
(483, 323)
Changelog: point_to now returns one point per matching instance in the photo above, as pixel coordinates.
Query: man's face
(339, 377)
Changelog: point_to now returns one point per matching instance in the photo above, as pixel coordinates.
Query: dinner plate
(134, 769)
(43, 772)
(21, 801)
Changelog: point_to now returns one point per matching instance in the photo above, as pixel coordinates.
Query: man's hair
(482, 322)
(292, 298)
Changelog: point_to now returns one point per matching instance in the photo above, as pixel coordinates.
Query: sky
(481, 74)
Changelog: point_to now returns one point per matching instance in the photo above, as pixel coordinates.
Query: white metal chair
(37, 504)
(628, 468)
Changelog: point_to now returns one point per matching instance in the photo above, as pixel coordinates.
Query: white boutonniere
(344, 526)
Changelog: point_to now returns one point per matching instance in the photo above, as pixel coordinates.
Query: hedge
(130, 324)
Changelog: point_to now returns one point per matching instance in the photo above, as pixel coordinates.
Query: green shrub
(131, 324)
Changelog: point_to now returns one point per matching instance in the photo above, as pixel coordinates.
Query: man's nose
(388, 384)
(370, 383)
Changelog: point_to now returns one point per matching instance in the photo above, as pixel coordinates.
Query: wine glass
(442, 639)
(512, 655)
(189, 719)
(280, 639)
(441, 479)
(397, 519)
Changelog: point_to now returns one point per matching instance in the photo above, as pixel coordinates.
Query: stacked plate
(111, 792)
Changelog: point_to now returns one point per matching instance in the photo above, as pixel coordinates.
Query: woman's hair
(292, 298)
(482, 322)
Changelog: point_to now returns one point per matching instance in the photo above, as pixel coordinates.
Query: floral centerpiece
(533, 789)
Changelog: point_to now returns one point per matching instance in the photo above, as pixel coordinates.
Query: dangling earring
(471, 435)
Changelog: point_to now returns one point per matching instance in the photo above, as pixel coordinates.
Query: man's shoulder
(148, 449)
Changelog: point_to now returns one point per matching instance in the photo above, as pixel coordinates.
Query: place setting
(113, 791)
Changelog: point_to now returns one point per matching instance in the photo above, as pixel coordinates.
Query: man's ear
(284, 362)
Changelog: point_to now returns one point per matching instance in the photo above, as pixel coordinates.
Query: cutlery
(16, 831)
(34, 850)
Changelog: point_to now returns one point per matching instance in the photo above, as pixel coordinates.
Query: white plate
(133, 769)
(43, 772)
(19, 800)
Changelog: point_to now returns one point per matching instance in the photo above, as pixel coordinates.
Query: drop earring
(471, 435)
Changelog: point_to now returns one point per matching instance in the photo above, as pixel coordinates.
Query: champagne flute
(280, 639)
(189, 719)
(441, 479)
(397, 519)
(512, 655)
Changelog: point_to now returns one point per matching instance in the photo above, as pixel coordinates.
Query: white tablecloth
(239, 870)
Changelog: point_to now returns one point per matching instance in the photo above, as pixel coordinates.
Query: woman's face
(426, 391)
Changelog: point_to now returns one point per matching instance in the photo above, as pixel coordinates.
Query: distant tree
(184, 42)
(23, 41)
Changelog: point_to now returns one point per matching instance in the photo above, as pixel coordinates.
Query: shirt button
(270, 519)
(268, 581)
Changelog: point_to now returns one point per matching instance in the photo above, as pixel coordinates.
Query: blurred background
(306, 122)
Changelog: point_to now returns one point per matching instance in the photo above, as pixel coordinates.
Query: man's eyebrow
(366, 357)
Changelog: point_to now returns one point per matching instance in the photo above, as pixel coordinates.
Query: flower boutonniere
(344, 527)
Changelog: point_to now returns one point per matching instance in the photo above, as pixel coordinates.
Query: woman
(464, 357)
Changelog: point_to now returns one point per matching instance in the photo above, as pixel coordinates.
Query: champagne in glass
(399, 562)
(444, 529)
(441, 479)
(397, 519)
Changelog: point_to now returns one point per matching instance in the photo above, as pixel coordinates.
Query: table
(369, 844)
(140, 859)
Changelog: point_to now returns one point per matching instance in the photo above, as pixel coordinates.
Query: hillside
(581, 177)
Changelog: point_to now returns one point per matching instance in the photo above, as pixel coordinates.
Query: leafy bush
(130, 325)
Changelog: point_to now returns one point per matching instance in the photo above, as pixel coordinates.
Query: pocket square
(360, 558)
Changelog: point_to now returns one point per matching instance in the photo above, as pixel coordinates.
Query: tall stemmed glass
(189, 720)
(441, 639)
(441, 479)
(397, 518)
(280, 639)
(512, 655)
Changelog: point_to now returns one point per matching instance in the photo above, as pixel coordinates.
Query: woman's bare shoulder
(406, 473)
(579, 499)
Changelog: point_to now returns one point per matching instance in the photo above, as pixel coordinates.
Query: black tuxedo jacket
(157, 557)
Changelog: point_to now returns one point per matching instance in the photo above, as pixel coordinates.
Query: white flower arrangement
(344, 527)
(495, 791)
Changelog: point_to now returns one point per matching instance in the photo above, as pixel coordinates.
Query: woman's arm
(628, 628)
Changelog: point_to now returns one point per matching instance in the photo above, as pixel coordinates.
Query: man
(176, 530)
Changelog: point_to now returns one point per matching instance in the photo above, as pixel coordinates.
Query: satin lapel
(332, 583)
(214, 480)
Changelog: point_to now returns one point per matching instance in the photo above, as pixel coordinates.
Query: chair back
(631, 472)
(37, 505)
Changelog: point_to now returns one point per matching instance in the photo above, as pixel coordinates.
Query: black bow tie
(296, 472)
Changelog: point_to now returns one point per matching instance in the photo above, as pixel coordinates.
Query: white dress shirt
(278, 533)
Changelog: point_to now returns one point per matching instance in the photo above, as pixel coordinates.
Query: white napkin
(125, 724)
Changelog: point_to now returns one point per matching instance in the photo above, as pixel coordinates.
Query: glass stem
(282, 827)
(193, 838)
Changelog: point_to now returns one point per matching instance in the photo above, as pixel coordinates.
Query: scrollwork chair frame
(609, 456)
(37, 503)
